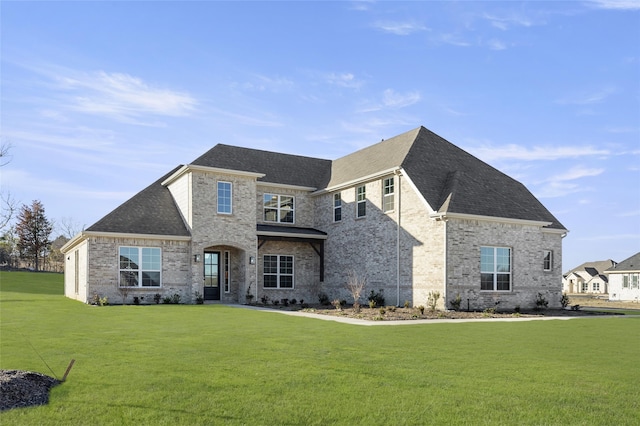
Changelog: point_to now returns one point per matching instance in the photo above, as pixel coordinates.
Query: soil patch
(24, 389)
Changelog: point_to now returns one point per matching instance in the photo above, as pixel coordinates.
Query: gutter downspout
(398, 240)
(445, 254)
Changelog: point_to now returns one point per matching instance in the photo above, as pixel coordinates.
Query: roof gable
(151, 211)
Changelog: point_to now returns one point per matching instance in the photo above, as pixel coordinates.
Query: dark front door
(212, 275)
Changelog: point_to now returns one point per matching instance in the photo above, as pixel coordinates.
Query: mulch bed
(24, 389)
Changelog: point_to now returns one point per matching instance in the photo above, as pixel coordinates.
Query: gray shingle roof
(450, 179)
(151, 211)
(599, 266)
(278, 168)
(630, 264)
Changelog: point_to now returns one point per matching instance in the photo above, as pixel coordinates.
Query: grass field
(213, 364)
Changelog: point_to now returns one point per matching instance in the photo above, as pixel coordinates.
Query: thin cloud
(504, 23)
(263, 83)
(576, 172)
(392, 99)
(496, 44)
(587, 98)
(399, 28)
(123, 96)
(616, 4)
(346, 79)
(518, 152)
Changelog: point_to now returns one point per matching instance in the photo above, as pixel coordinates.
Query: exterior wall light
(196, 258)
(252, 260)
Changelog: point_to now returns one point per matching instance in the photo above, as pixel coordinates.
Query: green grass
(212, 364)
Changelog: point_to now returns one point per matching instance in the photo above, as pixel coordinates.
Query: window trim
(279, 274)
(547, 263)
(388, 197)
(219, 198)
(496, 273)
(361, 199)
(226, 271)
(279, 208)
(337, 207)
(140, 271)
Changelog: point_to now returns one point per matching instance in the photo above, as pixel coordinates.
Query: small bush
(264, 299)
(564, 300)
(136, 300)
(421, 309)
(391, 308)
(407, 304)
(199, 298)
(541, 302)
(372, 303)
(382, 311)
(276, 302)
(323, 299)
(432, 300)
(337, 304)
(377, 297)
(455, 303)
(293, 301)
(157, 297)
(285, 302)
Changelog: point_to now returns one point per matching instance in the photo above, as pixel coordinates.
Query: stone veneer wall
(104, 269)
(237, 230)
(527, 243)
(306, 271)
(369, 246)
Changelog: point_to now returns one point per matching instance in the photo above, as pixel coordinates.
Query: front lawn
(213, 364)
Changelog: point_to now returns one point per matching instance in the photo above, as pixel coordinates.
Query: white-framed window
(388, 195)
(278, 271)
(596, 286)
(337, 207)
(625, 281)
(635, 280)
(226, 271)
(225, 197)
(361, 201)
(495, 268)
(279, 208)
(140, 266)
(547, 261)
(585, 287)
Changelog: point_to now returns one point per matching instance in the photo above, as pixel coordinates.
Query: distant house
(588, 278)
(412, 214)
(624, 279)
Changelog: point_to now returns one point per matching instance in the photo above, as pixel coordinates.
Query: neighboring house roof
(450, 180)
(627, 265)
(592, 268)
(151, 211)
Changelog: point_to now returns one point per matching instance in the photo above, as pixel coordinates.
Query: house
(624, 279)
(588, 278)
(413, 214)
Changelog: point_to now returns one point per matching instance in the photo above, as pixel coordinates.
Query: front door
(212, 275)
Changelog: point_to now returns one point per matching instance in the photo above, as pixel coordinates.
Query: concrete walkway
(355, 321)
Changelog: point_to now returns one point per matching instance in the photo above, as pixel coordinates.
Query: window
(278, 271)
(548, 260)
(224, 197)
(337, 207)
(140, 267)
(361, 201)
(596, 286)
(278, 208)
(585, 287)
(226, 271)
(495, 268)
(630, 280)
(388, 192)
(634, 280)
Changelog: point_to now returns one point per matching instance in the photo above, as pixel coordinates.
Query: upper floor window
(495, 268)
(224, 198)
(388, 195)
(547, 260)
(140, 267)
(361, 201)
(337, 207)
(279, 208)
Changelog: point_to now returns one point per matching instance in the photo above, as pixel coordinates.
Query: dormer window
(279, 208)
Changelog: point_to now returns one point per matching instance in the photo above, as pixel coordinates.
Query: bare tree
(68, 227)
(355, 285)
(9, 205)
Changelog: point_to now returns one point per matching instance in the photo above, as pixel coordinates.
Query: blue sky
(99, 99)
